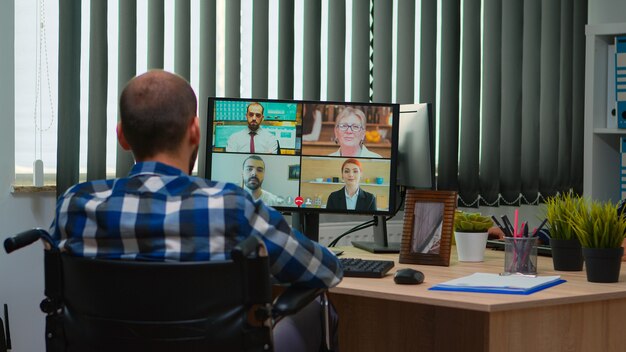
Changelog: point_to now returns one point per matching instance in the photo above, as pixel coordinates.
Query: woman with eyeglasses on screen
(351, 196)
(350, 134)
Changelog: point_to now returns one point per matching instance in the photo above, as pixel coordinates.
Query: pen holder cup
(520, 255)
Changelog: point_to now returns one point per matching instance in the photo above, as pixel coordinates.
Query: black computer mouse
(408, 276)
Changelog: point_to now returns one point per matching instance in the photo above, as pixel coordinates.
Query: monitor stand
(380, 244)
(307, 223)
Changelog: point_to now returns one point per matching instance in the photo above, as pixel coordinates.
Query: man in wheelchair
(159, 212)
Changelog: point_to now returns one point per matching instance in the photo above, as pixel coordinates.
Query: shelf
(611, 29)
(601, 168)
(613, 131)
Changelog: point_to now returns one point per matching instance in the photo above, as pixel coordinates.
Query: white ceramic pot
(470, 246)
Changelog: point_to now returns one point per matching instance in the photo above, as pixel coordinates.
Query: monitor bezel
(393, 159)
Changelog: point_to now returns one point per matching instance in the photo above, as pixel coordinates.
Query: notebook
(496, 283)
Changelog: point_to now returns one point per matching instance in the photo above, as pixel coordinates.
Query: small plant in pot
(470, 234)
(566, 249)
(601, 232)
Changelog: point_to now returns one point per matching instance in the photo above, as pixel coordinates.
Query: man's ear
(121, 138)
(194, 131)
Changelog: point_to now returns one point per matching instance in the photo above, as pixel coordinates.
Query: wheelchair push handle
(25, 238)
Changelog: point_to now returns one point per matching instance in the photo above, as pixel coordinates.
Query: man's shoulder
(264, 132)
(269, 196)
(95, 186)
(179, 186)
(236, 135)
(368, 153)
(243, 132)
(336, 194)
(365, 194)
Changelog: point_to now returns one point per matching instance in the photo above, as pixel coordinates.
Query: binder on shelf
(620, 80)
(622, 169)
(611, 108)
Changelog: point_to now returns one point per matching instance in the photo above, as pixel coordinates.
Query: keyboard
(353, 267)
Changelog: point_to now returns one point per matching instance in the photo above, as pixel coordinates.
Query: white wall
(606, 11)
(21, 273)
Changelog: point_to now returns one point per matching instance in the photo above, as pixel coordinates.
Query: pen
(506, 221)
(495, 221)
(503, 228)
(515, 220)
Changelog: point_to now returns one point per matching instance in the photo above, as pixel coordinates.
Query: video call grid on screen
(305, 163)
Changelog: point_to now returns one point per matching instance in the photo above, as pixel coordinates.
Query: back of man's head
(155, 110)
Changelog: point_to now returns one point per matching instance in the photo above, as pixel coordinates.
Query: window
(36, 43)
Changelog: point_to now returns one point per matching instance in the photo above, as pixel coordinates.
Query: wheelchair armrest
(250, 245)
(293, 299)
(25, 238)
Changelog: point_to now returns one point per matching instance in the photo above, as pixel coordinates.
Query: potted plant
(566, 249)
(601, 232)
(470, 234)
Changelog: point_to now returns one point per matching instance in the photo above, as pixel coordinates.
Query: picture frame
(428, 227)
(294, 172)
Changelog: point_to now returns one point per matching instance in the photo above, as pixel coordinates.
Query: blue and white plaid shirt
(160, 213)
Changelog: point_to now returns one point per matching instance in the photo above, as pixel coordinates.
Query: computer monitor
(416, 165)
(306, 157)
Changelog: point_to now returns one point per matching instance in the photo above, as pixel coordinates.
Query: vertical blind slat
(449, 107)
(311, 66)
(511, 103)
(469, 133)
(97, 109)
(405, 87)
(207, 72)
(156, 23)
(182, 40)
(578, 94)
(260, 48)
(232, 48)
(565, 97)
(68, 141)
(285, 49)
(490, 157)
(530, 94)
(549, 99)
(336, 87)
(359, 81)
(383, 18)
(428, 53)
(127, 63)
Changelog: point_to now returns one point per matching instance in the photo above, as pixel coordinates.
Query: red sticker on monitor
(299, 200)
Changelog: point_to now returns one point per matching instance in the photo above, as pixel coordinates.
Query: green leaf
(471, 222)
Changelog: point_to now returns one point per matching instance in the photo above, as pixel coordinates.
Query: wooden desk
(378, 315)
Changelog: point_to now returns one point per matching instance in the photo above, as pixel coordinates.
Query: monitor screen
(331, 157)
